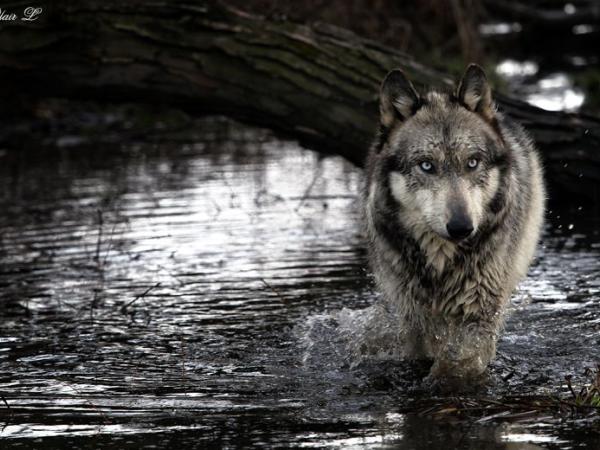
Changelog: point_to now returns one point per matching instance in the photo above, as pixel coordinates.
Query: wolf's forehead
(442, 123)
(435, 137)
(437, 99)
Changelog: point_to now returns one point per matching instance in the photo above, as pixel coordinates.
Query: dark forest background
(307, 70)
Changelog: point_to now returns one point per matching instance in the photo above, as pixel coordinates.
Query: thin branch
(142, 295)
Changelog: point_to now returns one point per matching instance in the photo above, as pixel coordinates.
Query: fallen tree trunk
(317, 84)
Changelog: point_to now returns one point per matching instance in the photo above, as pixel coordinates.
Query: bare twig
(99, 241)
(568, 380)
(275, 291)
(309, 188)
(142, 295)
(8, 408)
(93, 306)
(110, 240)
(183, 373)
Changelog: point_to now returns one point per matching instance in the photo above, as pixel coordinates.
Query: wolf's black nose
(459, 228)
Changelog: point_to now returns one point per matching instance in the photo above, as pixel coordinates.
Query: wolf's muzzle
(459, 227)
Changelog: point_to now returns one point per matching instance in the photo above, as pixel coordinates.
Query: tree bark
(317, 84)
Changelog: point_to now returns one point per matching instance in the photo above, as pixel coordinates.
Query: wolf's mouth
(458, 240)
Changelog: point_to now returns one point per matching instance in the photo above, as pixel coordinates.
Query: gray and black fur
(454, 206)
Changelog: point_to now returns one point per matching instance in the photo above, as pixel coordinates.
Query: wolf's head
(441, 153)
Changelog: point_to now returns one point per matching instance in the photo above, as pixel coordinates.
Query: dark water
(154, 295)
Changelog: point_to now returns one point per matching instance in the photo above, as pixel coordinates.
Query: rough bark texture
(317, 84)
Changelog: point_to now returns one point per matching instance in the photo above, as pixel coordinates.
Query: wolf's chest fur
(439, 276)
(438, 253)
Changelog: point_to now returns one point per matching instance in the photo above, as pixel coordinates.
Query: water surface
(163, 294)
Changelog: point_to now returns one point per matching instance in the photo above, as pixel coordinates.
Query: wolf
(454, 203)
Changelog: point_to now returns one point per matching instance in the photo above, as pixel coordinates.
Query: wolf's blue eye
(472, 163)
(426, 166)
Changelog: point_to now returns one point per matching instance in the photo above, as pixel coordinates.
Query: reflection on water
(512, 69)
(499, 28)
(157, 295)
(553, 92)
(584, 28)
(556, 93)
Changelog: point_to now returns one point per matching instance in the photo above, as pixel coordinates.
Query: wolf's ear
(398, 99)
(475, 93)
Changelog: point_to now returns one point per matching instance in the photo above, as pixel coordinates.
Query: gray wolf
(454, 205)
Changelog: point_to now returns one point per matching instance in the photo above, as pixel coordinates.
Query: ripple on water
(217, 296)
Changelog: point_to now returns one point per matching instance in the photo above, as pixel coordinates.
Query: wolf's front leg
(463, 353)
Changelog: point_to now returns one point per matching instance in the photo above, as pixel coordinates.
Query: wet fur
(449, 299)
